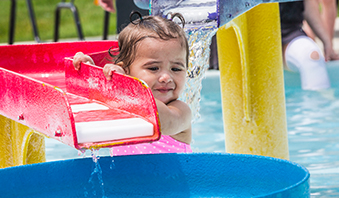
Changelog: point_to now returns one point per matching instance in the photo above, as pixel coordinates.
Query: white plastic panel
(98, 131)
(88, 107)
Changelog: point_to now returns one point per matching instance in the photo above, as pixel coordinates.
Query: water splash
(199, 40)
(200, 26)
(82, 152)
(96, 182)
(112, 154)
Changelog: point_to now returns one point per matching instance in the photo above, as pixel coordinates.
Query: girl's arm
(175, 119)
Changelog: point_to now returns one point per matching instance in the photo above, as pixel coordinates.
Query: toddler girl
(155, 50)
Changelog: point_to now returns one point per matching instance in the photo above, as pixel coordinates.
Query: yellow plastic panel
(19, 144)
(252, 83)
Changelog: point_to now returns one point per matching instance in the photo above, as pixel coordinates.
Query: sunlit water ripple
(313, 133)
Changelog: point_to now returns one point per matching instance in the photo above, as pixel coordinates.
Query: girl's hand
(80, 57)
(110, 68)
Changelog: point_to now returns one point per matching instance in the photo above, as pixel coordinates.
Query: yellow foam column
(252, 83)
(19, 145)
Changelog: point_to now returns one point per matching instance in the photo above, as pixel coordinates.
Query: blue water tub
(159, 175)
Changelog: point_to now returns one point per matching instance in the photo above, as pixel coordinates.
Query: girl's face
(162, 65)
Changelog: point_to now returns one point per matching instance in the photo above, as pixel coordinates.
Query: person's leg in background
(328, 9)
(303, 55)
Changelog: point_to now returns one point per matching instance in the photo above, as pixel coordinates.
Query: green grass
(91, 18)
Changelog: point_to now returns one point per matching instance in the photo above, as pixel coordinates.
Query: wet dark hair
(148, 27)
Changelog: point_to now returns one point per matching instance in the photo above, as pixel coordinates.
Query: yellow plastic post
(252, 83)
(19, 145)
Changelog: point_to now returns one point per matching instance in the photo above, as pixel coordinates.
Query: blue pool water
(313, 129)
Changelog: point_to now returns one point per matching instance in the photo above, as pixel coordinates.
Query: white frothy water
(199, 41)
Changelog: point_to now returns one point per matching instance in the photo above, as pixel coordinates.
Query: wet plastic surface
(38, 87)
(159, 175)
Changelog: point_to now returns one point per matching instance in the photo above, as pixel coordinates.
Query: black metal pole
(77, 21)
(33, 22)
(56, 23)
(106, 25)
(12, 23)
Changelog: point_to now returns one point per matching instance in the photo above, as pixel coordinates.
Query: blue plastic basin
(159, 175)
